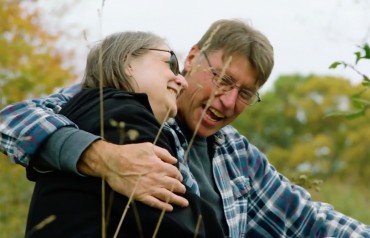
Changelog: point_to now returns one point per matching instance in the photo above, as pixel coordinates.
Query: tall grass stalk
(209, 102)
(136, 185)
(100, 65)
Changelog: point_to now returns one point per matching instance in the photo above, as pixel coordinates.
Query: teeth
(217, 113)
(172, 91)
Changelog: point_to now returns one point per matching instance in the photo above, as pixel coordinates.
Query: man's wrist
(74, 148)
(91, 160)
(64, 148)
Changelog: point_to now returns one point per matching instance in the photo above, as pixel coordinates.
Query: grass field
(16, 191)
(347, 198)
(15, 195)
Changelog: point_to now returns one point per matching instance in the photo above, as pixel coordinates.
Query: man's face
(205, 103)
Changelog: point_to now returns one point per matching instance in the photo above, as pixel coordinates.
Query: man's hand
(144, 170)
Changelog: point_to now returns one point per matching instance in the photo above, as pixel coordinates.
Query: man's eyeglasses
(173, 62)
(226, 83)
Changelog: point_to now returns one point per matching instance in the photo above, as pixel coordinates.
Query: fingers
(145, 171)
(164, 200)
(155, 203)
(172, 198)
(172, 184)
(171, 171)
(168, 192)
(164, 155)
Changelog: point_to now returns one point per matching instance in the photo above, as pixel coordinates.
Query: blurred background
(312, 123)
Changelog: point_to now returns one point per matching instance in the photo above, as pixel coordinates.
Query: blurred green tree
(360, 104)
(291, 127)
(30, 63)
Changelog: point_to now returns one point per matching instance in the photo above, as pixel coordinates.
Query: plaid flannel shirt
(260, 202)
(257, 200)
(24, 126)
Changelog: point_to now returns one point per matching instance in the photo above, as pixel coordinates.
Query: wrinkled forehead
(230, 56)
(237, 67)
(226, 54)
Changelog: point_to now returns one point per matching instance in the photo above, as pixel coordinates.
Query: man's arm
(122, 166)
(24, 126)
(288, 210)
(28, 125)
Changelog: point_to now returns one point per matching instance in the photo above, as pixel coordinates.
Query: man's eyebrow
(219, 71)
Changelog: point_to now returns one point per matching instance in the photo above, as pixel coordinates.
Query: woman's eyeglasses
(173, 62)
(225, 83)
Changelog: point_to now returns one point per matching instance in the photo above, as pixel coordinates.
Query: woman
(141, 81)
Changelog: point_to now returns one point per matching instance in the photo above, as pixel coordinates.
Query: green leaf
(357, 95)
(366, 78)
(335, 114)
(355, 114)
(366, 81)
(348, 115)
(335, 65)
(366, 48)
(358, 56)
(361, 102)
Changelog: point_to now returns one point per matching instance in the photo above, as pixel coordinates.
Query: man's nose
(230, 98)
(180, 80)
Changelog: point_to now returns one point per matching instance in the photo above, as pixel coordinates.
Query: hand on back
(144, 171)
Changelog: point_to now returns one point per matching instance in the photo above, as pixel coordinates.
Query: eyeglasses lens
(174, 64)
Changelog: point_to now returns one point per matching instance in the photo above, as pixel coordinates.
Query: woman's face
(154, 77)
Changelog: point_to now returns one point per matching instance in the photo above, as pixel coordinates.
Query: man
(224, 70)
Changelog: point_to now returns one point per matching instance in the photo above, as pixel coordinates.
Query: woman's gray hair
(108, 59)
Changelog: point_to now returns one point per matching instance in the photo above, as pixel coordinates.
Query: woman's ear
(128, 70)
(191, 59)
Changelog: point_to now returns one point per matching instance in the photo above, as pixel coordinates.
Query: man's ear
(192, 58)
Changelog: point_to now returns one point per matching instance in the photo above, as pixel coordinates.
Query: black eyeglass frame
(254, 99)
(173, 59)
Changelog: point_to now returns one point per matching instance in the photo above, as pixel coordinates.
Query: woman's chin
(173, 113)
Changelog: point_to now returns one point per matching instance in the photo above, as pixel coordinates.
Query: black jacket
(76, 201)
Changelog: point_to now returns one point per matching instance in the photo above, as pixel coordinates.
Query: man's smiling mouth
(214, 115)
